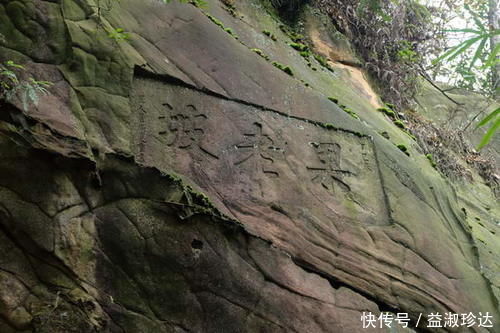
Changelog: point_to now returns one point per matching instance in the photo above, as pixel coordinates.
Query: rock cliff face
(178, 181)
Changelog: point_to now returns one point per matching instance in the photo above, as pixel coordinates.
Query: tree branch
(428, 79)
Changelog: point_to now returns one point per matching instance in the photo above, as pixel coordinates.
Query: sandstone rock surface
(180, 182)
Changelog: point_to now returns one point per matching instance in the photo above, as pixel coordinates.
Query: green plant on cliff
(119, 35)
(351, 113)
(299, 46)
(391, 37)
(403, 148)
(284, 68)
(322, 61)
(269, 34)
(471, 61)
(197, 3)
(406, 53)
(387, 111)
(474, 61)
(27, 90)
(494, 119)
(221, 25)
(261, 53)
(431, 160)
(399, 124)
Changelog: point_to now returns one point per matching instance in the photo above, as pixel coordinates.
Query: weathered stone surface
(190, 273)
(179, 182)
(261, 159)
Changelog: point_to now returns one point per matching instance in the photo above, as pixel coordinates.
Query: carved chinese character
(262, 149)
(184, 128)
(328, 171)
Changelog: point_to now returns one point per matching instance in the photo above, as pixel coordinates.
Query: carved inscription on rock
(241, 154)
(261, 149)
(183, 127)
(327, 170)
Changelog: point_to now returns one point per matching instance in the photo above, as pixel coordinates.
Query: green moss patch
(399, 124)
(351, 113)
(261, 53)
(345, 108)
(269, 34)
(221, 25)
(323, 62)
(431, 160)
(299, 46)
(284, 68)
(385, 134)
(215, 20)
(387, 111)
(403, 148)
(305, 54)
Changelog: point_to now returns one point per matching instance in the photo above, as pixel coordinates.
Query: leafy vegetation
(299, 46)
(322, 61)
(390, 37)
(351, 113)
(28, 90)
(260, 52)
(399, 124)
(475, 60)
(447, 146)
(463, 63)
(230, 8)
(269, 34)
(215, 20)
(197, 3)
(119, 35)
(403, 148)
(387, 111)
(397, 40)
(494, 118)
(431, 160)
(284, 68)
(385, 135)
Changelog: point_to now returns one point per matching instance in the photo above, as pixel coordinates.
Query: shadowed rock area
(179, 182)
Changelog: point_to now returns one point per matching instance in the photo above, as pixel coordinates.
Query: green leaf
(445, 55)
(492, 58)
(489, 134)
(13, 64)
(458, 49)
(476, 18)
(467, 44)
(478, 53)
(489, 117)
(41, 83)
(465, 30)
